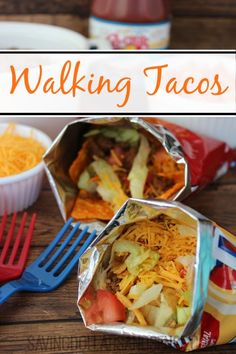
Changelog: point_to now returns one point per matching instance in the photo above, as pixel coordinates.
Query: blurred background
(205, 24)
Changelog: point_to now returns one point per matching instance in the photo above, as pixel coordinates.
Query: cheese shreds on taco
(115, 163)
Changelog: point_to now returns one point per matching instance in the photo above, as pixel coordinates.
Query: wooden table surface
(50, 323)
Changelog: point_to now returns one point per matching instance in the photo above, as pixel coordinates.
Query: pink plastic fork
(9, 269)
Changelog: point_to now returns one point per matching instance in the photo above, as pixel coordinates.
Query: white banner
(117, 83)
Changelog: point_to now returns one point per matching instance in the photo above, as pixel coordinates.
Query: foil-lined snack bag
(95, 164)
(161, 270)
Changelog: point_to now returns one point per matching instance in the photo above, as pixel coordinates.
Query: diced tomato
(88, 298)
(113, 310)
(106, 308)
(93, 314)
(183, 272)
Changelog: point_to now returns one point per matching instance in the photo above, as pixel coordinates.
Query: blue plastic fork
(44, 273)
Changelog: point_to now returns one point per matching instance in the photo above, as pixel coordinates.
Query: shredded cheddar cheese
(127, 303)
(163, 237)
(146, 273)
(18, 153)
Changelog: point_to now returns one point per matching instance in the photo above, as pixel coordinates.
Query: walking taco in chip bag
(96, 164)
(161, 270)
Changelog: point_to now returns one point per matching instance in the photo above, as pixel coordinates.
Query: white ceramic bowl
(26, 35)
(19, 191)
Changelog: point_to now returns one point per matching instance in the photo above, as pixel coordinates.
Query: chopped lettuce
(150, 263)
(163, 314)
(138, 256)
(185, 230)
(120, 134)
(92, 132)
(134, 250)
(183, 314)
(147, 296)
(158, 316)
(139, 171)
(187, 296)
(136, 290)
(85, 182)
(109, 186)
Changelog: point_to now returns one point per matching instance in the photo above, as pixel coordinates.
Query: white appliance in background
(222, 128)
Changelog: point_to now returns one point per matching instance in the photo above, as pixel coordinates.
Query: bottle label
(123, 35)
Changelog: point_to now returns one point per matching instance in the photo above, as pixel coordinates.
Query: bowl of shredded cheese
(21, 166)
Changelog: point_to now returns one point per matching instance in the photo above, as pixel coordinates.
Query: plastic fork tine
(8, 239)
(26, 246)
(75, 259)
(9, 269)
(18, 238)
(63, 246)
(55, 241)
(39, 279)
(70, 250)
(3, 225)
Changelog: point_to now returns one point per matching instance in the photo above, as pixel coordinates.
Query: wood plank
(73, 337)
(59, 304)
(76, 7)
(203, 33)
(187, 33)
(229, 178)
(216, 203)
(203, 8)
(208, 201)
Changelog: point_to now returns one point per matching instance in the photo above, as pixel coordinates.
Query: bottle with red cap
(131, 24)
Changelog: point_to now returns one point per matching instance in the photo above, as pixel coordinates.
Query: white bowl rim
(25, 26)
(33, 171)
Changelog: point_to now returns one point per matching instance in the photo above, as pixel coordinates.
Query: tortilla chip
(80, 163)
(91, 209)
(177, 176)
(171, 191)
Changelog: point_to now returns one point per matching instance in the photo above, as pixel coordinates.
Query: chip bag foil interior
(161, 270)
(96, 164)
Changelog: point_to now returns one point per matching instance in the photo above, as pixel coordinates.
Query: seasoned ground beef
(112, 282)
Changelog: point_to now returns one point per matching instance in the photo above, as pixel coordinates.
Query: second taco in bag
(161, 270)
